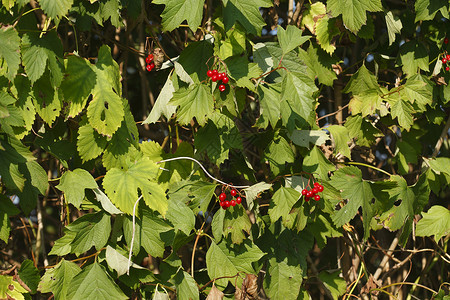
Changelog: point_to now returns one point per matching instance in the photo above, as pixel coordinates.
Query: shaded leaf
(434, 222)
(73, 183)
(57, 280)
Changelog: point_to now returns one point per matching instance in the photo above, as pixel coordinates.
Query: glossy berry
(209, 73)
(316, 197)
(214, 78)
(320, 188)
(222, 203)
(233, 193)
(233, 203)
(238, 200)
(304, 191)
(306, 199)
(222, 197)
(222, 87)
(225, 79)
(444, 60)
(446, 41)
(150, 66)
(219, 76)
(447, 57)
(227, 203)
(309, 194)
(315, 190)
(447, 68)
(215, 72)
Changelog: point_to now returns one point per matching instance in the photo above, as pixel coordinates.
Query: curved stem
(132, 237)
(366, 165)
(204, 170)
(407, 283)
(195, 247)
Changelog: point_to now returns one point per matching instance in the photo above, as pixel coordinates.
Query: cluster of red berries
(224, 203)
(150, 63)
(312, 193)
(216, 76)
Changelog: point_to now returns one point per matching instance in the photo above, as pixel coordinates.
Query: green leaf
(319, 64)
(162, 106)
(46, 99)
(34, 56)
(426, 10)
(270, 101)
(73, 183)
(326, 31)
(394, 25)
(434, 222)
(62, 245)
(283, 279)
(322, 228)
(181, 216)
(366, 103)
(304, 138)
(90, 144)
(362, 81)
(194, 59)
(359, 194)
(440, 165)
(186, 286)
(55, 9)
(278, 153)
(106, 203)
(122, 186)
(311, 15)
(242, 71)
(333, 282)
(417, 91)
(222, 260)
(316, 162)
(9, 50)
(361, 129)
(341, 138)
(118, 262)
(234, 42)
(262, 57)
(283, 201)
(152, 232)
(237, 224)
(354, 12)
(252, 192)
(413, 56)
(246, 13)
(29, 274)
(57, 280)
(10, 289)
(94, 283)
(78, 83)
(91, 230)
(176, 11)
(194, 102)
(403, 111)
(290, 38)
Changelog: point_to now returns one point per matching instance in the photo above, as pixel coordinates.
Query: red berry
(306, 199)
(304, 191)
(320, 188)
(223, 206)
(219, 76)
(447, 57)
(316, 184)
(233, 193)
(444, 60)
(309, 194)
(149, 58)
(446, 41)
(222, 203)
(222, 197)
(447, 68)
(150, 66)
(238, 200)
(227, 203)
(222, 87)
(233, 203)
(315, 190)
(209, 73)
(214, 78)
(316, 197)
(215, 72)
(225, 79)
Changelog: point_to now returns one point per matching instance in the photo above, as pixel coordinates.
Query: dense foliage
(315, 166)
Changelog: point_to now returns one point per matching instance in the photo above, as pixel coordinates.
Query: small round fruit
(227, 203)
(150, 66)
(316, 197)
(238, 200)
(223, 206)
(222, 203)
(306, 199)
(447, 68)
(214, 78)
(446, 41)
(222, 197)
(209, 73)
(225, 79)
(219, 76)
(444, 60)
(316, 184)
(233, 193)
(233, 203)
(447, 57)
(222, 87)
(320, 187)
(304, 192)
(148, 60)
(309, 194)
(215, 72)
(315, 190)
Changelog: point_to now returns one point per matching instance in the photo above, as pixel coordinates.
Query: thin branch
(333, 113)
(441, 138)
(195, 246)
